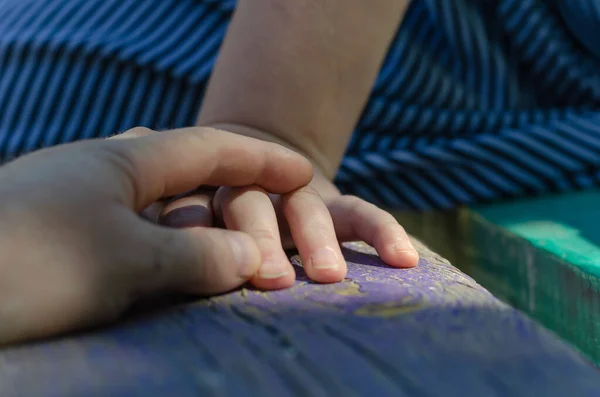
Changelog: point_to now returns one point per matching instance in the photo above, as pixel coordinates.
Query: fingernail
(190, 216)
(242, 249)
(272, 269)
(405, 248)
(325, 258)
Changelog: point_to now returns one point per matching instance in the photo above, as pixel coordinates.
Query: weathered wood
(541, 255)
(428, 331)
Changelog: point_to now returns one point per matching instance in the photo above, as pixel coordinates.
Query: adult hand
(77, 253)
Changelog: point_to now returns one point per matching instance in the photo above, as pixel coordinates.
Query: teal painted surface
(563, 241)
(564, 224)
(543, 256)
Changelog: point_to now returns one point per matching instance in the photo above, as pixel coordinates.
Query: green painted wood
(553, 246)
(541, 255)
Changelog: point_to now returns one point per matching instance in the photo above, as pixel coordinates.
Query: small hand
(77, 253)
(314, 218)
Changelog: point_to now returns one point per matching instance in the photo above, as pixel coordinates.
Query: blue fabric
(477, 100)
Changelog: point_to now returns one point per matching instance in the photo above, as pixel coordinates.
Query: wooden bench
(427, 331)
(542, 255)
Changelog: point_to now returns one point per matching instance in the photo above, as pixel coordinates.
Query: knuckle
(265, 235)
(140, 131)
(389, 224)
(123, 160)
(353, 203)
(319, 227)
(244, 196)
(382, 229)
(352, 199)
(356, 207)
(196, 134)
(307, 191)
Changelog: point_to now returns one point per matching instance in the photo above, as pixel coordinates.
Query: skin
(295, 73)
(68, 238)
(299, 73)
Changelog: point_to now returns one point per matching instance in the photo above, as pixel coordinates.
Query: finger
(249, 209)
(284, 229)
(356, 219)
(189, 211)
(313, 232)
(192, 210)
(169, 163)
(153, 211)
(202, 261)
(132, 133)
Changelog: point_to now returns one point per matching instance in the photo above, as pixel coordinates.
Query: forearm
(300, 72)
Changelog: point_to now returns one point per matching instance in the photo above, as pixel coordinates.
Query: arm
(299, 72)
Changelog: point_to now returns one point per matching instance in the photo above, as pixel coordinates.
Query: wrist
(321, 163)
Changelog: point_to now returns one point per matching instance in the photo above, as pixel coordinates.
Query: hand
(75, 250)
(314, 218)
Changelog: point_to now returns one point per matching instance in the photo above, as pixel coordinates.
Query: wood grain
(428, 331)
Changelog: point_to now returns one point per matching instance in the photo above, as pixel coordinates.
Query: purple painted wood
(428, 331)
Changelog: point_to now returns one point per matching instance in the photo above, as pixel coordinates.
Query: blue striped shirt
(477, 99)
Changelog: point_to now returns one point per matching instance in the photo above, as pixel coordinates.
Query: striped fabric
(477, 99)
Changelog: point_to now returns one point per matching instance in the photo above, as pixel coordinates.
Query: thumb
(201, 261)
